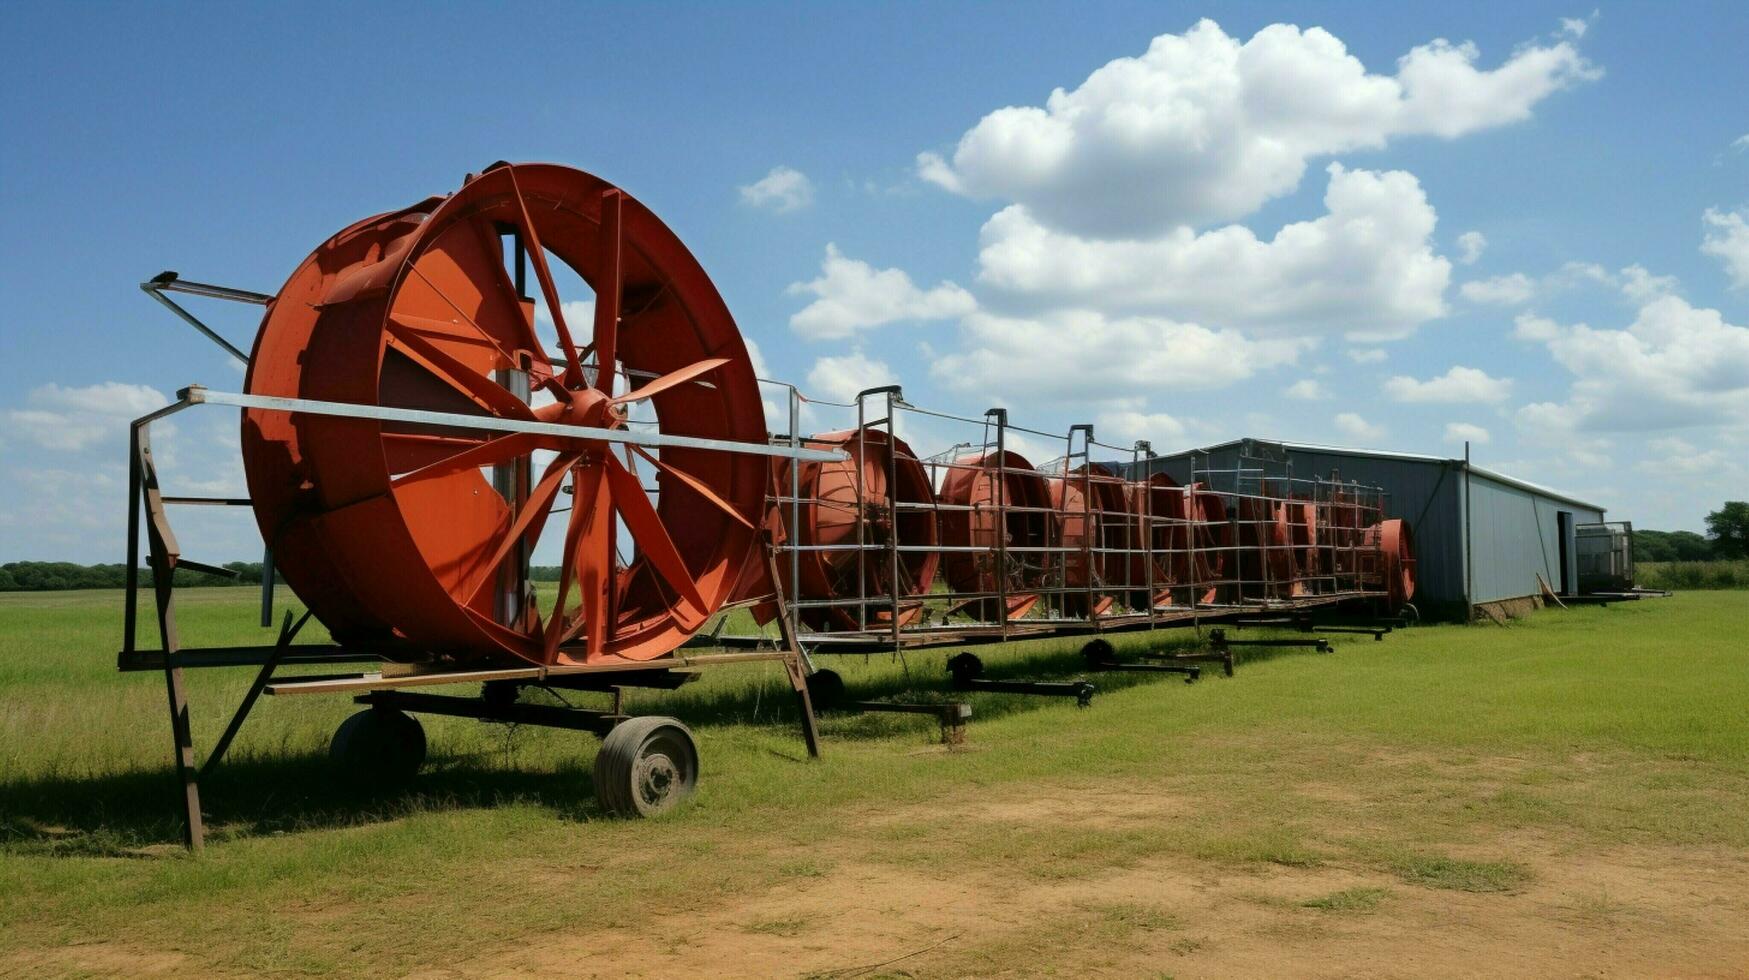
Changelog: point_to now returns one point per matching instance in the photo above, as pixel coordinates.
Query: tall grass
(1693, 574)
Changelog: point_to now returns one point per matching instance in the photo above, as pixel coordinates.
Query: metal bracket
(170, 282)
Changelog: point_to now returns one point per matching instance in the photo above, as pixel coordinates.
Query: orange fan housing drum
(392, 532)
(834, 498)
(1395, 546)
(1212, 535)
(1010, 506)
(1096, 525)
(1161, 511)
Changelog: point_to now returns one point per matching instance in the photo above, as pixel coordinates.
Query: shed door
(1564, 533)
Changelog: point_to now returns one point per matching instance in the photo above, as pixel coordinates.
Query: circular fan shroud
(392, 537)
(1395, 546)
(1029, 523)
(1092, 511)
(829, 516)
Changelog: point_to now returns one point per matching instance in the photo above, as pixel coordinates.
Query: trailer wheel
(379, 747)
(1099, 651)
(825, 689)
(646, 766)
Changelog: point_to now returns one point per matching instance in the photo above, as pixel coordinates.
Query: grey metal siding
(1513, 532)
(1515, 535)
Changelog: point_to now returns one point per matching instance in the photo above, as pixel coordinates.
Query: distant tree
(1653, 546)
(1671, 546)
(1690, 546)
(1728, 527)
(47, 576)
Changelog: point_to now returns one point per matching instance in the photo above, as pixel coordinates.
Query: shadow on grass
(130, 814)
(921, 676)
(133, 814)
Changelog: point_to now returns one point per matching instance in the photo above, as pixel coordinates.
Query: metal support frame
(143, 492)
(795, 662)
(967, 672)
(199, 395)
(1219, 639)
(495, 710)
(1102, 656)
(146, 499)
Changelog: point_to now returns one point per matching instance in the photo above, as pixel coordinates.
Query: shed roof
(1309, 447)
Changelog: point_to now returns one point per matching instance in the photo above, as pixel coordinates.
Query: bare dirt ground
(1616, 912)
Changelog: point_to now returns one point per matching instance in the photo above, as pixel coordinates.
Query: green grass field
(1394, 794)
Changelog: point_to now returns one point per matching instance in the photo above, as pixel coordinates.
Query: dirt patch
(1043, 806)
(101, 959)
(1617, 912)
(1626, 914)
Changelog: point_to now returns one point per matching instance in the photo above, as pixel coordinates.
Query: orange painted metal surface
(392, 533)
(1307, 533)
(1161, 511)
(1394, 545)
(1026, 520)
(836, 498)
(1212, 540)
(1268, 558)
(1094, 516)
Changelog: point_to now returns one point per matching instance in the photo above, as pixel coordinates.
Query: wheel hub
(656, 778)
(584, 407)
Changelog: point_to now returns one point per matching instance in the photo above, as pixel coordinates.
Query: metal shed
(1481, 537)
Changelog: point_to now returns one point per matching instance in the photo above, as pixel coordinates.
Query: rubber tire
(646, 766)
(379, 747)
(965, 667)
(1099, 651)
(825, 689)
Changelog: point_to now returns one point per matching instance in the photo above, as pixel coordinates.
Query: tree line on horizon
(1727, 538)
(53, 576)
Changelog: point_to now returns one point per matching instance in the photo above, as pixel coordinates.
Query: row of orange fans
(991, 537)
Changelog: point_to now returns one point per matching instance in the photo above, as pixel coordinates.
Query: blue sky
(1533, 235)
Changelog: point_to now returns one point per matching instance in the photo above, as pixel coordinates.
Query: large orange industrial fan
(404, 536)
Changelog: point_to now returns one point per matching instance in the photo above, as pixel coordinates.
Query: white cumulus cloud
(1367, 267)
(1162, 431)
(1307, 389)
(851, 295)
(1367, 355)
(1470, 246)
(782, 190)
(1082, 355)
(1203, 127)
(1516, 289)
(1354, 427)
(1675, 365)
(840, 378)
(1727, 239)
(1461, 432)
(73, 419)
(1460, 384)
